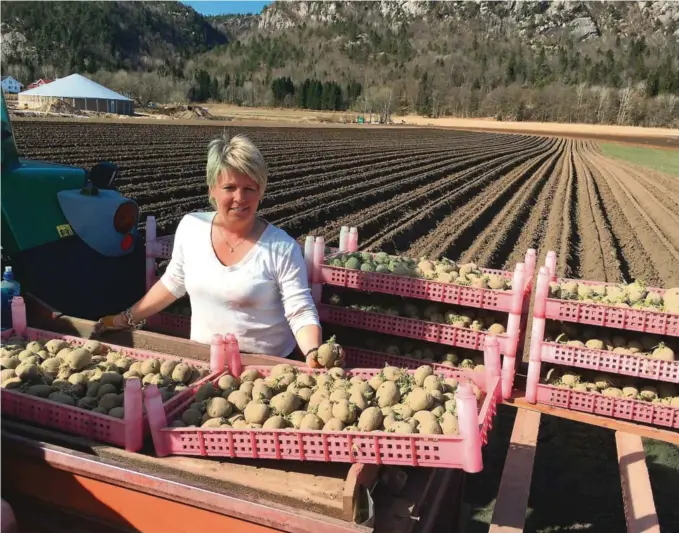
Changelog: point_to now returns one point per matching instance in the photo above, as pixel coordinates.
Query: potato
(77, 379)
(324, 380)
(181, 373)
(43, 391)
(12, 383)
(11, 361)
(337, 372)
(63, 353)
(54, 346)
(87, 402)
(422, 373)
(339, 394)
(261, 391)
(449, 424)
(247, 387)
(388, 394)
(34, 346)
(275, 422)
(117, 412)
(370, 419)
(94, 347)
(324, 410)
(311, 422)
(249, 374)
(285, 403)
(402, 428)
(359, 401)
(112, 378)
(228, 382)
(334, 424)
(419, 399)
(306, 380)
(60, 397)
(79, 359)
(150, 366)
(296, 418)
(123, 364)
(218, 407)
(167, 367)
(8, 373)
(305, 394)
(423, 416)
(344, 411)
(213, 423)
(132, 374)
(392, 373)
(403, 410)
(107, 388)
(432, 383)
(429, 427)
(205, 391)
(239, 399)
(280, 369)
(191, 417)
(110, 400)
(27, 371)
(177, 424)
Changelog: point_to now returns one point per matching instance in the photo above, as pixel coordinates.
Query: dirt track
(471, 195)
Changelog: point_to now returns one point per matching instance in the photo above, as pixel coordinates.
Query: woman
(243, 275)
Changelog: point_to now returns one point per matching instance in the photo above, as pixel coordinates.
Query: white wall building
(80, 92)
(10, 85)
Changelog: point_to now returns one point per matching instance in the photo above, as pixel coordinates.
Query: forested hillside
(605, 62)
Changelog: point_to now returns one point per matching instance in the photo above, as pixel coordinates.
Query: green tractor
(71, 238)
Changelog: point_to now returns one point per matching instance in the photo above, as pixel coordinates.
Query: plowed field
(469, 195)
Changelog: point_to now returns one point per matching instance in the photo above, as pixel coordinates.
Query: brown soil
(471, 195)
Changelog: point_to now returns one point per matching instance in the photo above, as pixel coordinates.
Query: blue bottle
(10, 289)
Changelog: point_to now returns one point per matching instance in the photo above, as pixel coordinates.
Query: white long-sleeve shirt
(263, 300)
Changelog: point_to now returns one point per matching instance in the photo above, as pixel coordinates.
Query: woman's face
(237, 196)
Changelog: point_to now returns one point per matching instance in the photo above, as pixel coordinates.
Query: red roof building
(38, 83)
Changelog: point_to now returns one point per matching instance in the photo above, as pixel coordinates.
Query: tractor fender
(91, 218)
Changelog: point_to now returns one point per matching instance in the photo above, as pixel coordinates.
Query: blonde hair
(238, 153)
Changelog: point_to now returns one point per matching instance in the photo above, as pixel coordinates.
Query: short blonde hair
(238, 153)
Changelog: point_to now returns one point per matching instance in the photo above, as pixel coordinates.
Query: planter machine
(136, 474)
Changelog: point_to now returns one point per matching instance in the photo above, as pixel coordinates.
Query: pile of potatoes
(443, 270)
(615, 386)
(634, 295)
(394, 401)
(90, 377)
(651, 346)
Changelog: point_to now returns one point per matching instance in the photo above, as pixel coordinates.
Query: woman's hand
(311, 359)
(111, 323)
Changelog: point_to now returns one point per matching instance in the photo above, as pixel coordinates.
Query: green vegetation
(585, 62)
(666, 161)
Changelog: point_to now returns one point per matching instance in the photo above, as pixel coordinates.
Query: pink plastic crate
(408, 327)
(127, 432)
(170, 324)
(615, 363)
(359, 358)
(613, 317)
(439, 451)
(435, 291)
(622, 408)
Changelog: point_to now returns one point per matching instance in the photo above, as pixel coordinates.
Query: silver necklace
(233, 248)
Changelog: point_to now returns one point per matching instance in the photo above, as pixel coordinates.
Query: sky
(227, 8)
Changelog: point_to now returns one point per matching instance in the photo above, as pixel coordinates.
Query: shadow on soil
(576, 480)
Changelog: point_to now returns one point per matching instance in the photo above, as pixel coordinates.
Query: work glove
(111, 323)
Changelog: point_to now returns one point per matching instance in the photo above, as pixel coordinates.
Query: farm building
(38, 83)
(11, 85)
(81, 93)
